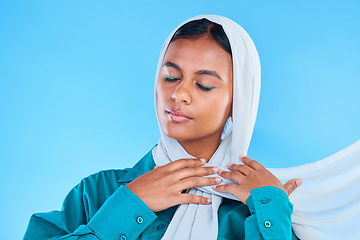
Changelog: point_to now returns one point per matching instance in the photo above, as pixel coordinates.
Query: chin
(179, 136)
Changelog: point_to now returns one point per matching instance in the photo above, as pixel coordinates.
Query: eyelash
(169, 79)
(201, 86)
(204, 88)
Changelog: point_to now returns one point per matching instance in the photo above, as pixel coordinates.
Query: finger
(245, 170)
(191, 198)
(291, 185)
(251, 163)
(183, 163)
(226, 188)
(234, 176)
(198, 182)
(195, 172)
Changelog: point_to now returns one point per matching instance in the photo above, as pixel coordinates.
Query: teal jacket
(101, 207)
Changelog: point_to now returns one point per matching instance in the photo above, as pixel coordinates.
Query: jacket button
(264, 201)
(123, 237)
(267, 224)
(139, 220)
(160, 227)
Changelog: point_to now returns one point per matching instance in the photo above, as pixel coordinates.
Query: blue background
(76, 88)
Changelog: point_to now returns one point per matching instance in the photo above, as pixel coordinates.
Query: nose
(182, 93)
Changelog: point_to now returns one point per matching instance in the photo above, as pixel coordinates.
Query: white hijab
(326, 206)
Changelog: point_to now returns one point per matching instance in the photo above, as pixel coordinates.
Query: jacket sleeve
(122, 216)
(270, 217)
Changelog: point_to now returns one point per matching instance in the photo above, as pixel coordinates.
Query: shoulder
(105, 177)
(111, 179)
(92, 191)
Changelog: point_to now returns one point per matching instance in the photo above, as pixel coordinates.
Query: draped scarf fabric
(328, 201)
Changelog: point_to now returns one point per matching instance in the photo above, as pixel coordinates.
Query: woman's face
(194, 89)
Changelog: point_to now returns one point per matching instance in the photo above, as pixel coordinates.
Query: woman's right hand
(161, 187)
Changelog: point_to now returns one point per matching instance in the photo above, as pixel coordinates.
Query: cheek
(159, 101)
(226, 111)
(223, 111)
(162, 100)
(163, 92)
(160, 95)
(217, 112)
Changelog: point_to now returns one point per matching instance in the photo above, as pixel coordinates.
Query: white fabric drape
(327, 203)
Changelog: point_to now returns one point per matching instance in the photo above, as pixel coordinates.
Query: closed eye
(170, 79)
(203, 87)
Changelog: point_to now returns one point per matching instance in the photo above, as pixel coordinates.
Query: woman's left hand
(249, 176)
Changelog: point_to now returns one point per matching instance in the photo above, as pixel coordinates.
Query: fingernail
(242, 155)
(215, 169)
(203, 160)
(209, 200)
(298, 183)
(218, 180)
(220, 171)
(229, 164)
(214, 187)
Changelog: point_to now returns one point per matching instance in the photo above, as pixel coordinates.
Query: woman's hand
(249, 176)
(161, 188)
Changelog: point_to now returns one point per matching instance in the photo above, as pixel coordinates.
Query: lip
(178, 116)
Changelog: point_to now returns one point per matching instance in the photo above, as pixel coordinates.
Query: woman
(206, 97)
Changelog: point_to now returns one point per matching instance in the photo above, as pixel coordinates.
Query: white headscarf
(319, 211)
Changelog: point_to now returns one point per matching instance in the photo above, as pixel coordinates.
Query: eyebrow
(173, 65)
(200, 72)
(209, 72)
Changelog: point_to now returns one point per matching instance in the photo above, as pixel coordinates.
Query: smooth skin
(191, 62)
(194, 100)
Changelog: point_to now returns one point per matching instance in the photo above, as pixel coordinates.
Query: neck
(203, 147)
